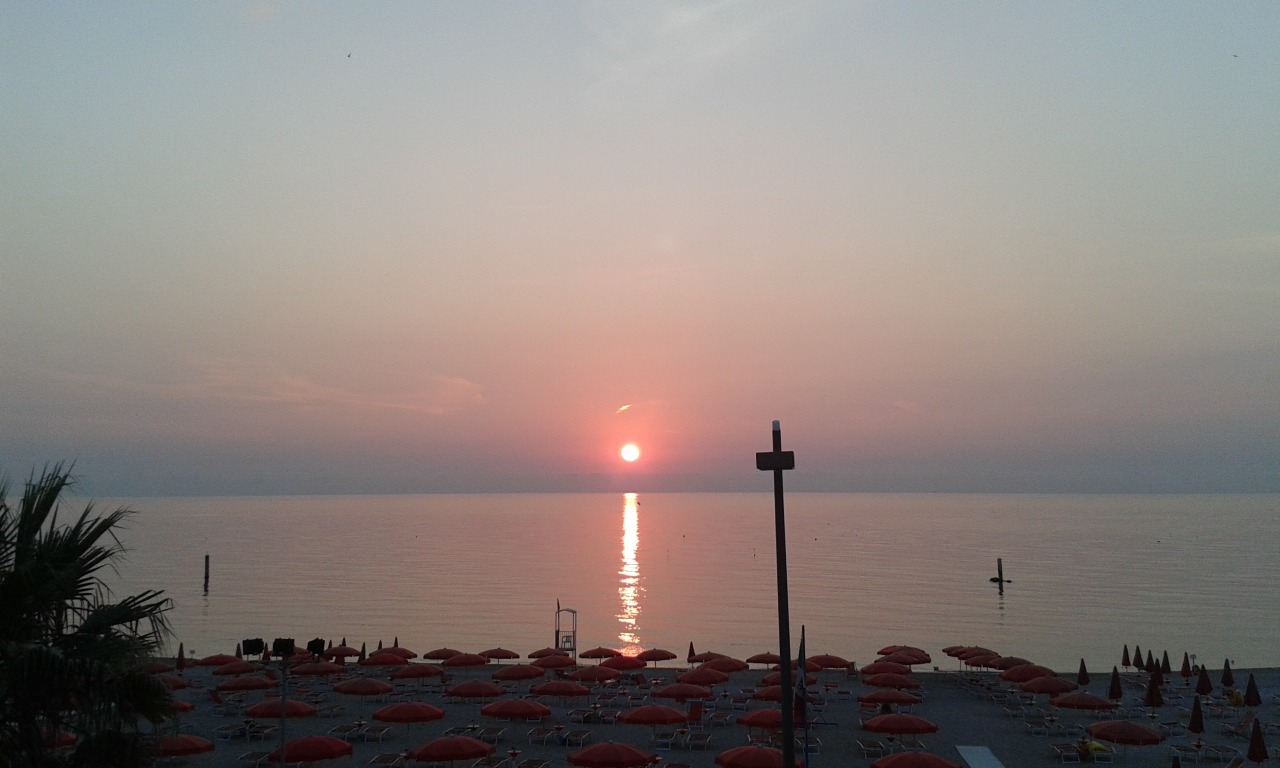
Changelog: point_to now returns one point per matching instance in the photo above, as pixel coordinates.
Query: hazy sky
(397, 247)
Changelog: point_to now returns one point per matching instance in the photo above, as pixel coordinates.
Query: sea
(1086, 575)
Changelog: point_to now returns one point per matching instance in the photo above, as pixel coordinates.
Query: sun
(630, 452)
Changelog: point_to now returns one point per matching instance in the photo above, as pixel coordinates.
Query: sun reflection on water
(629, 589)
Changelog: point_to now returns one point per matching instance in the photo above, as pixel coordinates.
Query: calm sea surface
(1089, 573)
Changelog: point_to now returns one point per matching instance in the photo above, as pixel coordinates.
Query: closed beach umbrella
(599, 652)
(555, 662)
(1050, 685)
(898, 723)
(1257, 745)
(654, 714)
(703, 675)
(560, 688)
(1115, 691)
(408, 712)
(516, 709)
(276, 709)
(475, 689)
(1196, 722)
(751, 757)
(682, 692)
(1252, 698)
(881, 667)
(1082, 674)
(890, 680)
(182, 745)
(519, 672)
(465, 660)
(1204, 686)
(1153, 698)
(1185, 671)
(500, 653)
(310, 749)
(612, 754)
(655, 655)
(247, 683)
(417, 672)
(1082, 700)
(1165, 667)
(1228, 679)
(1124, 732)
(1024, 672)
(623, 663)
(913, 760)
(449, 748)
(1124, 658)
(440, 654)
(597, 674)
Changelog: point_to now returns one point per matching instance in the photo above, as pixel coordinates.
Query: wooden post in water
(206, 573)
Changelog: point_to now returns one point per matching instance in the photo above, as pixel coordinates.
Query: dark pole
(778, 461)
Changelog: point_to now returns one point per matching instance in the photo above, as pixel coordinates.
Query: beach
(971, 707)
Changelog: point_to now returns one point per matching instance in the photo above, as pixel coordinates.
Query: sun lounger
(344, 731)
(533, 762)
(254, 758)
(387, 758)
(577, 738)
(1067, 753)
(871, 748)
(492, 735)
(374, 732)
(700, 740)
(979, 757)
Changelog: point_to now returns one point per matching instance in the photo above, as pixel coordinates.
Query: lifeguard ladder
(567, 630)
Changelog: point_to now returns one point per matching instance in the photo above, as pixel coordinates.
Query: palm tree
(70, 655)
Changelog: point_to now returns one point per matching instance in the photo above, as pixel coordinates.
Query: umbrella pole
(778, 461)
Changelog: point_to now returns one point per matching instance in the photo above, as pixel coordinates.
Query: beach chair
(609, 716)
(533, 762)
(700, 740)
(392, 759)
(492, 735)
(1067, 753)
(577, 738)
(871, 748)
(375, 732)
(228, 732)
(662, 740)
(1242, 728)
(254, 758)
(540, 735)
(344, 731)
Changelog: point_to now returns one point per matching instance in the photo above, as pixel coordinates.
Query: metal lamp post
(779, 461)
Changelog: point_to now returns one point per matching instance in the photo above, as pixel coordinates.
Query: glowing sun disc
(630, 452)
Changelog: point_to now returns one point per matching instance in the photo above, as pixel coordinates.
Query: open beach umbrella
(475, 689)
(155, 667)
(704, 657)
(881, 667)
(310, 749)
(384, 659)
(897, 723)
(403, 653)
(768, 657)
(768, 693)
(449, 748)
(682, 692)
(560, 688)
(417, 672)
(343, 651)
(829, 661)
(276, 709)
(182, 745)
(516, 709)
(247, 683)
(465, 660)
(654, 714)
(408, 712)
(555, 662)
(216, 660)
(726, 664)
(751, 757)
(703, 675)
(363, 686)
(596, 674)
(775, 678)
(612, 754)
(1024, 672)
(984, 660)
(889, 696)
(655, 655)
(1050, 685)
(890, 680)
(906, 657)
(599, 652)
(519, 672)
(623, 663)
(173, 682)
(913, 760)
(542, 653)
(1124, 732)
(1009, 662)
(500, 653)
(239, 667)
(1082, 700)
(316, 669)
(178, 705)
(440, 654)
(763, 718)
(1257, 744)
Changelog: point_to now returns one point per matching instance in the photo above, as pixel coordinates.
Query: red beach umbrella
(173, 682)
(363, 686)
(417, 672)
(474, 689)
(1252, 697)
(1082, 674)
(1257, 745)
(316, 668)
(1196, 723)
(403, 653)
(889, 696)
(890, 680)
(384, 659)
(682, 692)
(1124, 732)
(183, 744)
(599, 652)
(612, 754)
(465, 660)
(888, 649)
(898, 723)
(500, 653)
(1185, 670)
(178, 705)
(542, 653)
(984, 660)
(1008, 662)
(596, 674)
(519, 672)
(217, 660)
(725, 664)
(247, 683)
(240, 667)
(768, 657)
(555, 662)
(1228, 679)
(704, 657)
(340, 652)
(155, 667)
(440, 654)
(180, 661)
(1115, 691)
(1082, 700)
(829, 661)
(880, 667)
(655, 655)
(449, 748)
(653, 714)
(903, 657)
(1204, 686)
(775, 678)
(751, 757)
(1024, 672)
(274, 708)
(1050, 685)
(310, 749)
(703, 675)
(623, 663)
(516, 709)
(560, 688)
(762, 718)
(768, 693)
(913, 760)
(408, 712)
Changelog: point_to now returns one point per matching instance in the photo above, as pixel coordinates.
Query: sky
(317, 248)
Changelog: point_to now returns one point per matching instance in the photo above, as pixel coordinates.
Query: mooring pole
(206, 573)
(779, 461)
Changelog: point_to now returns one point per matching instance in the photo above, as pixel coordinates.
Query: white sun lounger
(979, 757)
